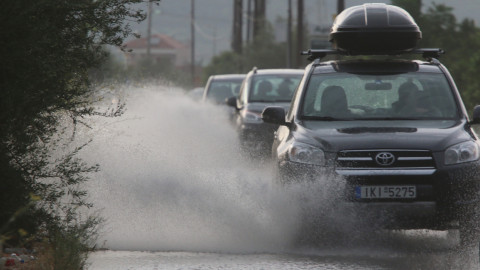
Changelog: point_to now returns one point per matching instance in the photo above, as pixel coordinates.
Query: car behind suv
(262, 88)
(221, 87)
(394, 130)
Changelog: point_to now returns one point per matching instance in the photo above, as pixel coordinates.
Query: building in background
(163, 49)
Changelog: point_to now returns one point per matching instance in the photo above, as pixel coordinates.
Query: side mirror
(476, 115)
(232, 102)
(274, 115)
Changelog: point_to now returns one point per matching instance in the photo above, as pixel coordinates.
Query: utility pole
(249, 20)
(149, 30)
(299, 31)
(340, 6)
(192, 37)
(237, 26)
(289, 34)
(259, 17)
(214, 41)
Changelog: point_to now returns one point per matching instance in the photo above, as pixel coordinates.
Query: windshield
(390, 97)
(223, 89)
(274, 88)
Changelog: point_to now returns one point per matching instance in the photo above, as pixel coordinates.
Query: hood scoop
(358, 130)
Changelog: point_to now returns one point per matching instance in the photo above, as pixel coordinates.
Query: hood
(259, 106)
(334, 136)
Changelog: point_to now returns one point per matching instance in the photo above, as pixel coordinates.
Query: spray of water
(173, 178)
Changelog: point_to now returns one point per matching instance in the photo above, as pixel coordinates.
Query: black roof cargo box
(374, 28)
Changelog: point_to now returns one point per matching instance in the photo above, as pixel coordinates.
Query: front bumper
(443, 197)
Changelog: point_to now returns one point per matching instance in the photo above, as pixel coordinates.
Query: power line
(207, 36)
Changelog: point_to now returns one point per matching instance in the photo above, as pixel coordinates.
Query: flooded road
(177, 193)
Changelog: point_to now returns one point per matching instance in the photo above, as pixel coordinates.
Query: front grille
(385, 162)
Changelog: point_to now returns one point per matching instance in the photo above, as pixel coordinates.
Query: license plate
(385, 192)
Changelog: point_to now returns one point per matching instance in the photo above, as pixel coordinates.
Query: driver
(413, 102)
(264, 89)
(405, 92)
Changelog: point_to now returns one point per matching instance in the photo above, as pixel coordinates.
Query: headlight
(251, 117)
(304, 153)
(462, 152)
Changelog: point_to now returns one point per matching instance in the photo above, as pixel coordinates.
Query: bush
(47, 50)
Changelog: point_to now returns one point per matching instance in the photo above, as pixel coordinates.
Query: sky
(214, 19)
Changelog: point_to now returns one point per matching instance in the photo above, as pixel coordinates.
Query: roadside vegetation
(47, 49)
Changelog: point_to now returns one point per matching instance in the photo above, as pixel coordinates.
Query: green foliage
(263, 52)
(414, 7)
(228, 62)
(460, 41)
(70, 244)
(47, 49)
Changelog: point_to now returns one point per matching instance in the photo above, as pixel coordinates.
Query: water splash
(172, 178)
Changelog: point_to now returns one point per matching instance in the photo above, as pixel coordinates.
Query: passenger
(414, 103)
(404, 95)
(334, 102)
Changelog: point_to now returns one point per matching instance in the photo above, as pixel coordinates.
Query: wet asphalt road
(187, 260)
(417, 250)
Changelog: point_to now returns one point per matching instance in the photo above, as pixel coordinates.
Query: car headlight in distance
(462, 152)
(307, 154)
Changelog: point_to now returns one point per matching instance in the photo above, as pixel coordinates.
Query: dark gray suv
(394, 130)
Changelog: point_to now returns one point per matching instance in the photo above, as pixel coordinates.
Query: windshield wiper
(270, 101)
(326, 118)
(281, 100)
(390, 118)
(260, 100)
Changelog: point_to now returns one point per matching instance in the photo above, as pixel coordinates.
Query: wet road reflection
(397, 250)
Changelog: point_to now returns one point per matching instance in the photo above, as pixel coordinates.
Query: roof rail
(319, 53)
(427, 53)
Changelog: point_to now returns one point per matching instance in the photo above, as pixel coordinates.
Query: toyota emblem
(385, 159)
